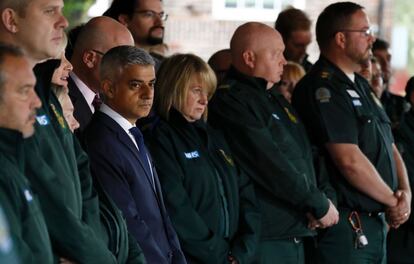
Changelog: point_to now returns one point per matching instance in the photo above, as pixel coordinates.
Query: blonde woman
(211, 204)
(292, 73)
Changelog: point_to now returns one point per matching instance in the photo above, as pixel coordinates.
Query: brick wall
(191, 27)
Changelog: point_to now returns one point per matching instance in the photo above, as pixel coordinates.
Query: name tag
(192, 155)
(43, 120)
(353, 93)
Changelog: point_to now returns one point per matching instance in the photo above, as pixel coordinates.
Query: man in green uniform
(270, 145)
(345, 122)
(401, 241)
(56, 166)
(18, 104)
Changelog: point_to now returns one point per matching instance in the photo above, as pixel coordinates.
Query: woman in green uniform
(211, 203)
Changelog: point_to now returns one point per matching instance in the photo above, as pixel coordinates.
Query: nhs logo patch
(43, 120)
(192, 155)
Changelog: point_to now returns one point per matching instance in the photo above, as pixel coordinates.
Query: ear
(90, 59)
(107, 88)
(8, 19)
(249, 59)
(124, 19)
(340, 39)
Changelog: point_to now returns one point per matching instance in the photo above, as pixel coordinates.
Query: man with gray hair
(119, 158)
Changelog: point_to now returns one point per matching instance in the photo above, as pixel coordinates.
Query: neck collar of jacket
(254, 82)
(10, 141)
(177, 118)
(325, 65)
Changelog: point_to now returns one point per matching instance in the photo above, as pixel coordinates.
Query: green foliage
(75, 11)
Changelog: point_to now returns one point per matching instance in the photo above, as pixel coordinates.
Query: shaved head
(98, 36)
(102, 33)
(255, 47)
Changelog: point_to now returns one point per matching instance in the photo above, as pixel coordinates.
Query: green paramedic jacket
(58, 171)
(20, 204)
(211, 203)
(337, 110)
(270, 145)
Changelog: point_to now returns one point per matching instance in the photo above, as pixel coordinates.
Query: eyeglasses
(98, 52)
(367, 32)
(149, 14)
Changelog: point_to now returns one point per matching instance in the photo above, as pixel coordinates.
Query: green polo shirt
(338, 110)
(269, 143)
(211, 203)
(21, 206)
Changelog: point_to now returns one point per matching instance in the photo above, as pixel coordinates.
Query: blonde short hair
(293, 71)
(173, 82)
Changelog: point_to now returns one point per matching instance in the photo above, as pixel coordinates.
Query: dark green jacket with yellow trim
(20, 204)
(211, 203)
(59, 172)
(270, 145)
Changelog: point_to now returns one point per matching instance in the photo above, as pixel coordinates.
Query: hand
(330, 218)
(65, 261)
(232, 260)
(400, 213)
(313, 223)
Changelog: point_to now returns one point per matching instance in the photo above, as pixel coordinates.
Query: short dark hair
(17, 5)
(7, 50)
(122, 7)
(380, 44)
(290, 20)
(409, 89)
(334, 18)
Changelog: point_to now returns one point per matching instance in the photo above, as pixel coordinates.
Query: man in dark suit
(98, 36)
(119, 157)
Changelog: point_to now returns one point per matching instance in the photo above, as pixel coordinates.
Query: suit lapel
(125, 140)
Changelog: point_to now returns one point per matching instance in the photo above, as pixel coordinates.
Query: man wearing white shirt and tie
(97, 36)
(119, 158)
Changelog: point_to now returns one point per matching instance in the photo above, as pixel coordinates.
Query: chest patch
(191, 155)
(353, 93)
(291, 116)
(28, 195)
(59, 117)
(323, 95)
(5, 240)
(356, 102)
(227, 158)
(275, 116)
(43, 120)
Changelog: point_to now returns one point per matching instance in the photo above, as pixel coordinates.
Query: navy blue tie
(142, 150)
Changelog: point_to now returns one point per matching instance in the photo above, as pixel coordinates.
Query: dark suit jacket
(115, 160)
(81, 112)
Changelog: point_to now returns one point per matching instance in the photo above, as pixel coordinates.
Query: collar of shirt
(120, 120)
(87, 93)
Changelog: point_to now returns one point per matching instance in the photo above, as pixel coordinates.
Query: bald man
(99, 35)
(270, 145)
